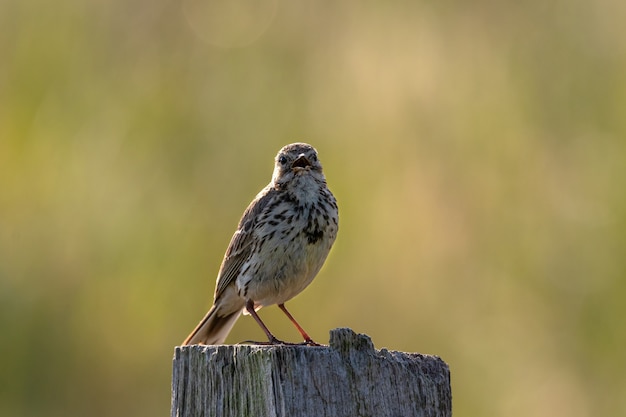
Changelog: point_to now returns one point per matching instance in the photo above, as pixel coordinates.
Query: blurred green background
(477, 151)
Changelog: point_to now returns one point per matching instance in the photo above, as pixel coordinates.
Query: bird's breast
(292, 239)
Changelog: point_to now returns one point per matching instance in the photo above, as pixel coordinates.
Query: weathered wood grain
(347, 378)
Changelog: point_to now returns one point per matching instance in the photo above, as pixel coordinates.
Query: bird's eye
(282, 159)
(314, 157)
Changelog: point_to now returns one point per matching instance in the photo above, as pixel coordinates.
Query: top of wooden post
(347, 378)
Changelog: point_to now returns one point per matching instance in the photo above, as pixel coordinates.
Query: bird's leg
(272, 339)
(307, 338)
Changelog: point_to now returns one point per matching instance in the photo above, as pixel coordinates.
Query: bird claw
(274, 342)
(278, 342)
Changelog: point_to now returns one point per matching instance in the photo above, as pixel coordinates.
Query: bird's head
(294, 160)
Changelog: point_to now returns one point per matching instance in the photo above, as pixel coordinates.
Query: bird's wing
(241, 244)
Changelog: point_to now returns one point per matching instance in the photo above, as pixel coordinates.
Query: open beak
(301, 162)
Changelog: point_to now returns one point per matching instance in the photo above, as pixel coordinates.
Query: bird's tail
(213, 328)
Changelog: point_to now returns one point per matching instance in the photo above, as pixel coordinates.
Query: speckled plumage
(282, 241)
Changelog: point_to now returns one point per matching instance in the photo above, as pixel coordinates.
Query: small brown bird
(281, 243)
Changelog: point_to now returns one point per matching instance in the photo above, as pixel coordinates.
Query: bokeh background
(477, 150)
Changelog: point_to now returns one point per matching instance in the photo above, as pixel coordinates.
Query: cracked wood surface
(347, 378)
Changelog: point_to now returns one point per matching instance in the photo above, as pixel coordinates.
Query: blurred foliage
(477, 151)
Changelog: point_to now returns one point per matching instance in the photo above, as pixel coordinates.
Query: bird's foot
(277, 342)
(272, 342)
(309, 342)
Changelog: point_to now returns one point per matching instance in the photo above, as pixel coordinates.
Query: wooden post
(348, 378)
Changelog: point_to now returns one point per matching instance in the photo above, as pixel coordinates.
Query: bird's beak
(301, 162)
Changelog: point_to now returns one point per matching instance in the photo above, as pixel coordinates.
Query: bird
(281, 243)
